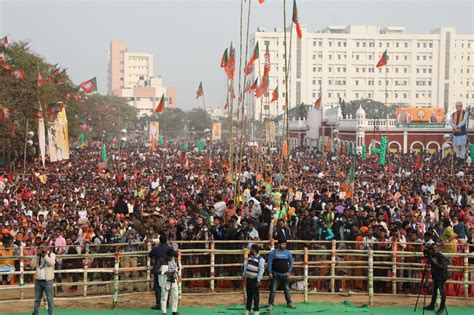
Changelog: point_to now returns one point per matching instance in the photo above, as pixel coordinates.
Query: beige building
(131, 75)
(424, 70)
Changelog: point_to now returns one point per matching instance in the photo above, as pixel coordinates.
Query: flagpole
(386, 109)
(203, 101)
(26, 139)
(241, 95)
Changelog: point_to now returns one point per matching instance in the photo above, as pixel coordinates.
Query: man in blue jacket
(280, 264)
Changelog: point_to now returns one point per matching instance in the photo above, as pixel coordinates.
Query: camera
(172, 271)
(428, 253)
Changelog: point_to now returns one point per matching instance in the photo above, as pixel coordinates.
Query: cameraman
(44, 264)
(439, 273)
(169, 281)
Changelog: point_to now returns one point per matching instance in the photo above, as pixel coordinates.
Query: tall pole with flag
(199, 93)
(383, 61)
(41, 127)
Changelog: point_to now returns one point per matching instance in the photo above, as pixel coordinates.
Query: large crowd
(137, 195)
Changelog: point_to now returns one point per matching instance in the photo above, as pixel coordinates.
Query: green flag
(201, 144)
(186, 147)
(82, 140)
(104, 153)
(162, 139)
(364, 152)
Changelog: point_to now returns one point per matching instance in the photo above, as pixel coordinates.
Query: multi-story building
(424, 70)
(131, 75)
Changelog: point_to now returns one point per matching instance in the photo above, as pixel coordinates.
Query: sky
(187, 37)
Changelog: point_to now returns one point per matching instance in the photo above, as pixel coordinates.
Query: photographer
(439, 273)
(44, 264)
(169, 281)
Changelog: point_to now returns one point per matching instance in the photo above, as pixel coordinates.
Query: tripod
(423, 284)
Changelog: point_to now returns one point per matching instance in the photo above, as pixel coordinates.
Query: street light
(28, 142)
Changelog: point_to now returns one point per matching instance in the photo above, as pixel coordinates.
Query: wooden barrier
(320, 266)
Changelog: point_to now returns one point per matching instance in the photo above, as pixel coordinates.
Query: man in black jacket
(439, 273)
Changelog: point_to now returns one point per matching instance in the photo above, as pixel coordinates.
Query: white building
(424, 70)
(131, 75)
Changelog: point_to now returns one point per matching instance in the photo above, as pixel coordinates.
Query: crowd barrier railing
(215, 267)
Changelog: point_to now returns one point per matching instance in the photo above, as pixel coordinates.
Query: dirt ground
(146, 300)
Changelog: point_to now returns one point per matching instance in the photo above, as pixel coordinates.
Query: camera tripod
(424, 285)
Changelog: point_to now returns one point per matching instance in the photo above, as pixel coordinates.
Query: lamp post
(28, 142)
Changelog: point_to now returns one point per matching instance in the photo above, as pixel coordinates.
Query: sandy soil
(145, 300)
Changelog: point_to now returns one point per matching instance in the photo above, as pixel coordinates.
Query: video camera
(428, 252)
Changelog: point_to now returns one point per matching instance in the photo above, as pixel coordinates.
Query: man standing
(439, 272)
(280, 264)
(253, 273)
(169, 282)
(44, 263)
(459, 123)
(157, 254)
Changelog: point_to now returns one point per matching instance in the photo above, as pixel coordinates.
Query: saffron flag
(230, 68)
(296, 20)
(266, 65)
(39, 78)
(261, 1)
(255, 56)
(262, 89)
(199, 91)
(224, 59)
(8, 65)
(161, 105)
(274, 95)
(254, 85)
(319, 101)
(89, 86)
(383, 59)
(19, 73)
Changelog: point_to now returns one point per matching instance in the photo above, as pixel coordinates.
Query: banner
(420, 117)
(270, 131)
(313, 123)
(58, 137)
(216, 130)
(153, 130)
(42, 138)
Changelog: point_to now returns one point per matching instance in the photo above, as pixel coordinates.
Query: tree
(373, 109)
(198, 120)
(172, 121)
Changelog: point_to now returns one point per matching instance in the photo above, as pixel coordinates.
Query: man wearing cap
(280, 264)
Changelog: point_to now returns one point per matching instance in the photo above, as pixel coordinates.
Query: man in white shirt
(44, 264)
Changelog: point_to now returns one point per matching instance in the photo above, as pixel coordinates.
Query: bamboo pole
(394, 267)
(370, 280)
(333, 266)
(148, 266)
(466, 270)
(22, 273)
(180, 277)
(244, 287)
(116, 280)
(306, 275)
(86, 267)
(213, 271)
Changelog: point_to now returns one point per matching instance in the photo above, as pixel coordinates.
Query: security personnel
(253, 273)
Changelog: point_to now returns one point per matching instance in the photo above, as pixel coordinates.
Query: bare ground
(145, 300)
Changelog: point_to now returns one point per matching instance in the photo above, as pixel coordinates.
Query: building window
(267, 43)
(396, 95)
(330, 82)
(357, 95)
(339, 57)
(380, 82)
(338, 69)
(339, 44)
(357, 69)
(380, 44)
(314, 57)
(404, 95)
(329, 95)
(356, 82)
(330, 57)
(431, 45)
(330, 69)
(357, 57)
(418, 45)
(319, 82)
(424, 57)
(364, 44)
(371, 82)
(320, 44)
(416, 95)
(330, 43)
(406, 70)
(344, 69)
(314, 82)
(396, 70)
(345, 44)
(314, 94)
(406, 57)
(314, 44)
(369, 95)
(314, 69)
(357, 44)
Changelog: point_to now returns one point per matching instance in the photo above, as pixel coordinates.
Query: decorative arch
(437, 149)
(412, 145)
(377, 144)
(398, 145)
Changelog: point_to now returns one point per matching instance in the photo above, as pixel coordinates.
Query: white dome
(360, 111)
